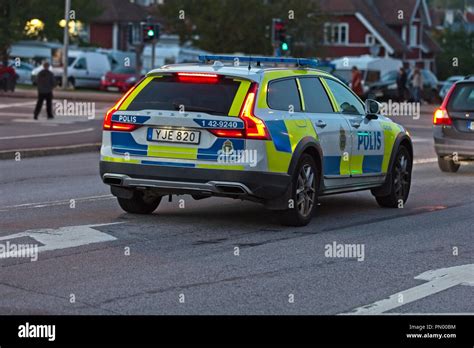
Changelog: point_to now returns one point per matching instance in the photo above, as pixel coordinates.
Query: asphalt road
(221, 256)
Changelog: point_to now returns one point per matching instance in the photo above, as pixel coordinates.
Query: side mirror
(372, 109)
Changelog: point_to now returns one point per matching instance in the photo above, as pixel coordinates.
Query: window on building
(370, 40)
(413, 35)
(336, 33)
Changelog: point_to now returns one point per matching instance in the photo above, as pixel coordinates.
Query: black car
(386, 88)
(454, 126)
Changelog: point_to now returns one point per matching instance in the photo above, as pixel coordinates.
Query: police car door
(332, 130)
(367, 139)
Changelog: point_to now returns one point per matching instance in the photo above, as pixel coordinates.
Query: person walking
(401, 84)
(356, 83)
(45, 82)
(417, 83)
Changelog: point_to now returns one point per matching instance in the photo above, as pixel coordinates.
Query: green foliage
(13, 18)
(244, 26)
(458, 47)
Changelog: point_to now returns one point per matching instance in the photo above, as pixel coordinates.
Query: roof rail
(258, 60)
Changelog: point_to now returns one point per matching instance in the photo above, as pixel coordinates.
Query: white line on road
(47, 134)
(55, 203)
(6, 106)
(425, 160)
(422, 140)
(64, 237)
(437, 280)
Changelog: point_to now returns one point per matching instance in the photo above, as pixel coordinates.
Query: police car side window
(284, 95)
(347, 101)
(315, 98)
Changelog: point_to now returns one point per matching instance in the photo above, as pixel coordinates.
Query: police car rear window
(167, 93)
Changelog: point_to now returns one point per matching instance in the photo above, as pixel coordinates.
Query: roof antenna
(250, 64)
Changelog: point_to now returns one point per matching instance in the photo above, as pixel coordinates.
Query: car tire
(448, 165)
(303, 193)
(141, 203)
(401, 181)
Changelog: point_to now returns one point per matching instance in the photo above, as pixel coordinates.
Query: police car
(270, 130)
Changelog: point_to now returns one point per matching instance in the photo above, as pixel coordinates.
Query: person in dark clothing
(46, 83)
(402, 84)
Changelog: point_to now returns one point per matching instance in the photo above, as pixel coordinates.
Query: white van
(372, 68)
(85, 69)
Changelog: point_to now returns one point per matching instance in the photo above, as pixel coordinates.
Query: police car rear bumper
(196, 181)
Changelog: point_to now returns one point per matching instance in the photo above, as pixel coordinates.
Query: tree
(229, 26)
(13, 18)
(457, 56)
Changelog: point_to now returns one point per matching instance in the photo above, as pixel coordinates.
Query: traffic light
(279, 37)
(150, 32)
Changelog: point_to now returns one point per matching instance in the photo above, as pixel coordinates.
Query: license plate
(470, 125)
(112, 89)
(181, 136)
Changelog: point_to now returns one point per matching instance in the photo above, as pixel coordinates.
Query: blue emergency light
(248, 59)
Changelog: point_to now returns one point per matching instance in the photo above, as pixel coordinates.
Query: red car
(119, 80)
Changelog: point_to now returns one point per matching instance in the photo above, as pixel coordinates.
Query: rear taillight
(116, 126)
(441, 117)
(254, 128)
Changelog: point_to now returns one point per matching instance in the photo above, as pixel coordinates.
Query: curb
(49, 151)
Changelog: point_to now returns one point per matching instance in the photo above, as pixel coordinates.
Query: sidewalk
(98, 96)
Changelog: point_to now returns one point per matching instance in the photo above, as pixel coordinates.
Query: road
(221, 256)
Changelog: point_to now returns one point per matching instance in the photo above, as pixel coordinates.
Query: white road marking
(437, 280)
(55, 203)
(422, 140)
(64, 237)
(47, 134)
(425, 160)
(6, 106)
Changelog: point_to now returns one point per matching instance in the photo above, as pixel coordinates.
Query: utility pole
(67, 8)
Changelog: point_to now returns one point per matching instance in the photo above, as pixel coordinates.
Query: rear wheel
(401, 181)
(304, 188)
(140, 203)
(448, 165)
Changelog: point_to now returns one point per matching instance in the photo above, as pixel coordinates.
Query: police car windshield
(167, 93)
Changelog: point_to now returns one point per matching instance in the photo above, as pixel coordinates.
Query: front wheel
(401, 181)
(304, 188)
(140, 203)
(448, 165)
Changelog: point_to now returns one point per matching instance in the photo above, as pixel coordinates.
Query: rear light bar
(197, 77)
(117, 126)
(254, 128)
(441, 117)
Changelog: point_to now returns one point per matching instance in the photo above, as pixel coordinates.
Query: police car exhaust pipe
(231, 189)
(110, 180)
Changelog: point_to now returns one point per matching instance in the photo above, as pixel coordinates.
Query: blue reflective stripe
(125, 143)
(211, 153)
(332, 165)
(279, 134)
(130, 119)
(372, 164)
(171, 164)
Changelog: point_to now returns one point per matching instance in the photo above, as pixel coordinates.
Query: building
(117, 25)
(398, 29)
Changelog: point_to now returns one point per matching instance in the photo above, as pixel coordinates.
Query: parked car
(386, 88)
(120, 79)
(23, 70)
(446, 86)
(85, 69)
(453, 128)
(8, 78)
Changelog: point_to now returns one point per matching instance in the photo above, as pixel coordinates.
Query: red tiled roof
(120, 11)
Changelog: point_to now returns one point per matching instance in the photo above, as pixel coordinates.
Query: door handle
(321, 124)
(355, 124)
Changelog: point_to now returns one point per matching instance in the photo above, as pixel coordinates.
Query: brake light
(197, 77)
(441, 117)
(254, 128)
(116, 126)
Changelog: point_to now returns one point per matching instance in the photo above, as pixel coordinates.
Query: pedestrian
(356, 83)
(402, 84)
(417, 83)
(45, 82)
